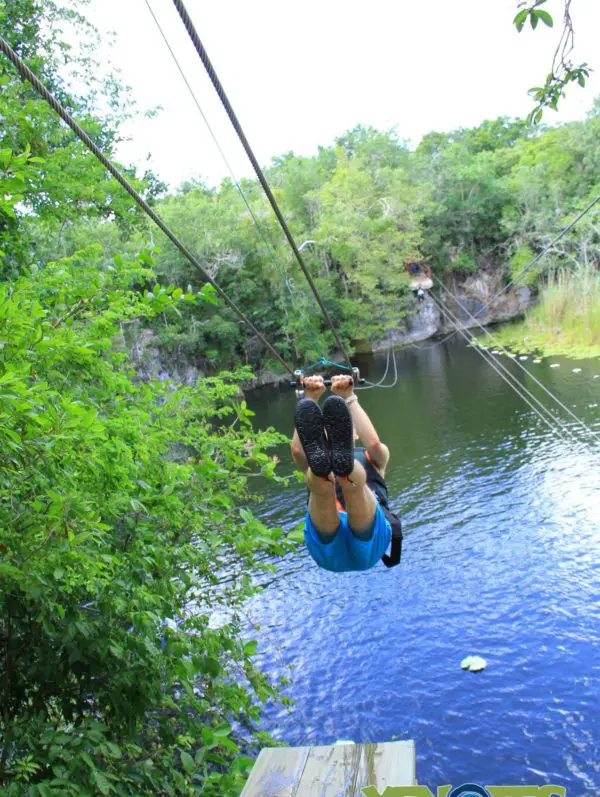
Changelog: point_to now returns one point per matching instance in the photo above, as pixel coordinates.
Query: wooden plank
(329, 771)
(390, 764)
(364, 773)
(339, 771)
(277, 772)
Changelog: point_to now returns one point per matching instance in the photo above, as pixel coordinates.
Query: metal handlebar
(326, 382)
(297, 382)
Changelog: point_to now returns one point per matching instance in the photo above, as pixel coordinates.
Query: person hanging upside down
(348, 523)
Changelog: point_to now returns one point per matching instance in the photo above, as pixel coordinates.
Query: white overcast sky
(298, 74)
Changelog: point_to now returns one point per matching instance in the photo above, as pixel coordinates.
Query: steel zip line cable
(538, 257)
(266, 240)
(493, 365)
(495, 341)
(26, 73)
(504, 373)
(189, 26)
(500, 368)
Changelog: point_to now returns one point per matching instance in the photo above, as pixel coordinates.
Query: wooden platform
(338, 771)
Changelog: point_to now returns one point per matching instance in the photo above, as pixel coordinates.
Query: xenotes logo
(467, 790)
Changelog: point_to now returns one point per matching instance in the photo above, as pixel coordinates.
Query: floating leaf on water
(592, 406)
(576, 370)
(477, 664)
(555, 365)
(473, 663)
(523, 357)
(537, 360)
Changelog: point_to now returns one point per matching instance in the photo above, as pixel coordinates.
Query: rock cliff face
(151, 361)
(472, 294)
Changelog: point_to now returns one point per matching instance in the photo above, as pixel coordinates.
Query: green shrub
(464, 262)
(518, 262)
(119, 506)
(569, 306)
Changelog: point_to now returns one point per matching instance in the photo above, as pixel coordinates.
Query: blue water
(501, 559)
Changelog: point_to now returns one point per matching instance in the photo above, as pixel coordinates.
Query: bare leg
(322, 506)
(361, 504)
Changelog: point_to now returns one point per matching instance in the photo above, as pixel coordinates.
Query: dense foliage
(119, 505)
(490, 197)
(487, 198)
(126, 544)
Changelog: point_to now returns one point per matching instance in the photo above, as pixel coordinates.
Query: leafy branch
(563, 71)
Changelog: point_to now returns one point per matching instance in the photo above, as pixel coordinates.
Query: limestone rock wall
(151, 361)
(472, 293)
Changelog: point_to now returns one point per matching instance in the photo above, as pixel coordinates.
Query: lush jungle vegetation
(122, 540)
(123, 520)
(486, 198)
(491, 197)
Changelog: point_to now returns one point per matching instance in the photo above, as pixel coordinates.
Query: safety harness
(376, 483)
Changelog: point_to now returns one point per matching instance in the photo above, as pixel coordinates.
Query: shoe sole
(310, 427)
(340, 433)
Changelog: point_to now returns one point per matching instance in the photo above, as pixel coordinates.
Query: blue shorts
(345, 551)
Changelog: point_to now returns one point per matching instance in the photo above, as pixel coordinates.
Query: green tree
(121, 535)
(68, 182)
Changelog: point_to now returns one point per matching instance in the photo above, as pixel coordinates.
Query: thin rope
(26, 73)
(504, 373)
(206, 122)
(185, 17)
(387, 366)
(538, 257)
(496, 342)
(268, 243)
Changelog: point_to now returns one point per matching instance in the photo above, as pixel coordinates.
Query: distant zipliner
(420, 276)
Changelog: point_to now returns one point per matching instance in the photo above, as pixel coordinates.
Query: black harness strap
(377, 485)
(393, 558)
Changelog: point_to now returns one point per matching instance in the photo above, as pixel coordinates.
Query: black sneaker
(310, 427)
(340, 435)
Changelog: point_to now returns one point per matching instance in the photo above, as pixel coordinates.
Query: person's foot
(310, 427)
(340, 434)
